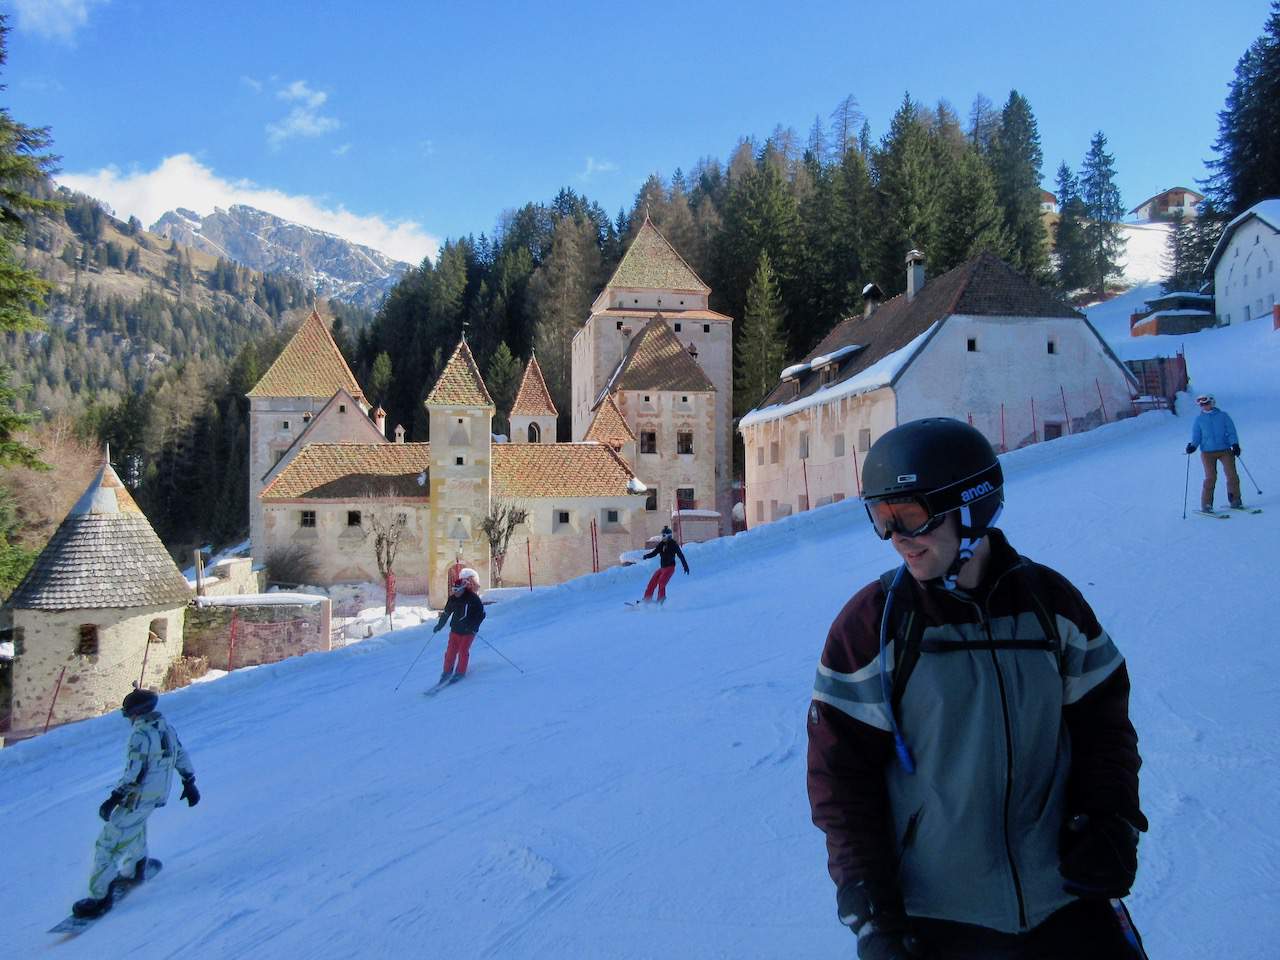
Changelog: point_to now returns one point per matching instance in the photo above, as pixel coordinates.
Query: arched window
(535, 435)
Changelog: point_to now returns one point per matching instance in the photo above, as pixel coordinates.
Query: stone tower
(533, 414)
(459, 413)
(103, 607)
(306, 375)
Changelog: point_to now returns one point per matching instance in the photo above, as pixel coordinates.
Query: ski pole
(497, 651)
(1251, 480)
(1185, 487)
(415, 661)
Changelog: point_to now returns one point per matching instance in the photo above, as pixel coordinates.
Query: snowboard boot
(91, 906)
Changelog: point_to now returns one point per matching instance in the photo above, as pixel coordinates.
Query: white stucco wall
(559, 551)
(268, 437)
(93, 684)
(1010, 368)
(1246, 280)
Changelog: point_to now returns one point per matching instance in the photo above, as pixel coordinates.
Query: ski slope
(637, 791)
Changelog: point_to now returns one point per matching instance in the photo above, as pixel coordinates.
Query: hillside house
(1243, 265)
(982, 342)
(1048, 202)
(1167, 204)
(102, 608)
(1177, 312)
(653, 350)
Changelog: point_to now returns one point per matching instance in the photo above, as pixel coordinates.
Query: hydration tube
(899, 744)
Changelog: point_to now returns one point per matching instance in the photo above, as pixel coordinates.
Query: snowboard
(120, 888)
(1212, 514)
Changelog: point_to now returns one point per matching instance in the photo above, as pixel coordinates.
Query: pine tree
(1181, 271)
(1247, 168)
(503, 379)
(1104, 241)
(909, 185)
(1069, 234)
(761, 347)
(380, 378)
(971, 215)
(1016, 158)
(23, 163)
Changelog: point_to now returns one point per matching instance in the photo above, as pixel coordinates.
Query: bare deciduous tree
(504, 516)
(387, 526)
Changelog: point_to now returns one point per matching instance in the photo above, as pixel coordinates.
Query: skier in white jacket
(120, 854)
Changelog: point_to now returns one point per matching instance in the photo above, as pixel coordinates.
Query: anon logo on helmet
(907, 478)
(974, 492)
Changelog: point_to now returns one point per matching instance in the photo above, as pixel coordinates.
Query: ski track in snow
(639, 790)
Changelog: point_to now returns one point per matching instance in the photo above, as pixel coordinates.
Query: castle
(652, 381)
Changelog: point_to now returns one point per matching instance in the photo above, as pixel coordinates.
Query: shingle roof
(460, 383)
(310, 365)
(533, 399)
(652, 263)
(104, 555)
(609, 426)
(559, 470)
(656, 360)
(982, 286)
(345, 471)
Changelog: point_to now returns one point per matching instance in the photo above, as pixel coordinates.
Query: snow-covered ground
(636, 787)
(1144, 251)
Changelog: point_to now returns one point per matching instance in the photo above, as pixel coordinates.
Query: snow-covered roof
(879, 374)
(281, 599)
(636, 486)
(1268, 211)
(6, 651)
(701, 514)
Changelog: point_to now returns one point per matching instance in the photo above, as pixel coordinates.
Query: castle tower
(102, 599)
(305, 376)
(653, 280)
(533, 415)
(459, 414)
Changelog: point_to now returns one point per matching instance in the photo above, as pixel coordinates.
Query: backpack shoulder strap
(1048, 623)
(905, 629)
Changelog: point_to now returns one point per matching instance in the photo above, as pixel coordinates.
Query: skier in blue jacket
(1215, 435)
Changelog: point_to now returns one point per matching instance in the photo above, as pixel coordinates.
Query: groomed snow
(633, 786)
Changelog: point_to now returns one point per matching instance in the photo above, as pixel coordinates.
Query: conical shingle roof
(656, 360)
(460, 383)
(104, 555)
(609, 426)
(652, 263)
(533, 399)
(310, 365)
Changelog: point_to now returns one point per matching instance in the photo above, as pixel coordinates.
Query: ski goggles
(1205, 400)
(909, 517)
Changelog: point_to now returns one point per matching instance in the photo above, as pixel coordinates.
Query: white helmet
(468, 574)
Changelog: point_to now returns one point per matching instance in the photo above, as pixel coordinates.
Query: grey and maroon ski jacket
(1016, 714)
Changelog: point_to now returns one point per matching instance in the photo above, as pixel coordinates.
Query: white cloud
(305, 119)
(182, 181)
(252, 83)
(595, 166)
(55, 19)
(341, 150)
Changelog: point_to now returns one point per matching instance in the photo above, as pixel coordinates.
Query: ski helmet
(468, 574)
(666, 531)
(138, 702)
(1205, 398)
(944, 466)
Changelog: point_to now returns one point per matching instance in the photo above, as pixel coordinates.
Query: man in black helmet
(971, 758)
(667, 551)
(120, 855)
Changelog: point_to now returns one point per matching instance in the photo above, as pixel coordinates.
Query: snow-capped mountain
(336, 267)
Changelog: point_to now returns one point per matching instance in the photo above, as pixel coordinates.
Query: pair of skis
(448, 681)
(1225, 514)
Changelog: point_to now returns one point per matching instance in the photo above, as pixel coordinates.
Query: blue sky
(399, 124)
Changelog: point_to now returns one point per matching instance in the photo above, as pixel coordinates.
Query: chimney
(915, 274)
(399, 433)
(871, 297)
(380, 420)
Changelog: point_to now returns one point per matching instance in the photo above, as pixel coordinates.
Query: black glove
(110, 804)
(875, 914)
(189, 791)
(1099, 856)
(1235, 449)
(1191, 448)
(439, 626)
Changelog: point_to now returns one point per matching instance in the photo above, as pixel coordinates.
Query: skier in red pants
(667, 550)
(467, 612)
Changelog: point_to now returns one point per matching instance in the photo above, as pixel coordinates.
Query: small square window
(804, 444)
(459, 461)
(706, 328)
(87, 645)
(773, 451)
(646, 398)
(619, 322)
(864, 440)
(684, 442)
(972, 345)
(306, 418)
(562, 517)
(353, 518)
(284, 424)
(651, 499)
(308, 519)
(759, 511)
(342, 408)
(678, 325)
(648, 441)
(759, 456)
(158, 631)
(685, 499)
(459, 421)
(1053, 346)
(611, 516)
(684, 399)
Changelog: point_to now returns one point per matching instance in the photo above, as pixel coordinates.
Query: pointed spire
(609, 426)
(533, 399)
(652, 263)
(310, 365)
(460, 383)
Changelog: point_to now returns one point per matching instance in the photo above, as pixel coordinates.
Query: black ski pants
(1086, 929)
